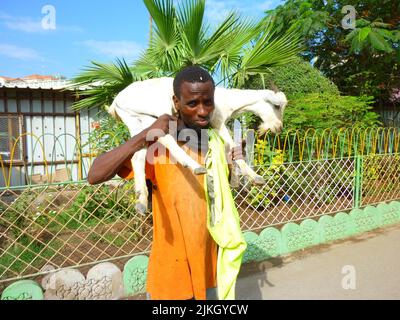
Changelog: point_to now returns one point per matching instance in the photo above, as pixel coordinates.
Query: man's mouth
(203, 122)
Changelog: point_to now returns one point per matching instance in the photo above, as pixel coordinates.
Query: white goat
(139, 104)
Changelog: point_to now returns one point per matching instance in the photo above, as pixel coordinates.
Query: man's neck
(194, 138)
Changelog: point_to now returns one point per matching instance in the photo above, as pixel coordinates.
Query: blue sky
(86, 30)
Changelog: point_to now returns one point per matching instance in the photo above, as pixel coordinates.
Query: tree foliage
(314, 101)
(360, 61)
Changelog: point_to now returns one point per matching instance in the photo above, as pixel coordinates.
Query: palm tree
(236, 49)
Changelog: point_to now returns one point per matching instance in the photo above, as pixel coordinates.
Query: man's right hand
(162, 123)
(159, 128)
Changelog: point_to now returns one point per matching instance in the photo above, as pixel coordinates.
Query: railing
(292, 146)
(74, 224)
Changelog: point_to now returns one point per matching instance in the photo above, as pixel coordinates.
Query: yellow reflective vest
(222, 218)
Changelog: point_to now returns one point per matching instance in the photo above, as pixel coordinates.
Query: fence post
(358, 182)
(250, 147)
(79, 149)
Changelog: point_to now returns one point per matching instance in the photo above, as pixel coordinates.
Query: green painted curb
(310, 233)
(135, 275)
(291, 238)
(270, 242)
(23, 290)
(252, 250)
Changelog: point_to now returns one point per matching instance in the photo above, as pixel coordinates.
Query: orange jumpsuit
(183, 256)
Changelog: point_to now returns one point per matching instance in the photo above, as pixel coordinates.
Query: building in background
(41, 138)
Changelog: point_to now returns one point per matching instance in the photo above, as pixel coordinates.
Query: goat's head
(270, 109)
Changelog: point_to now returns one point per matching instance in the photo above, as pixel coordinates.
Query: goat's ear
(274, 87)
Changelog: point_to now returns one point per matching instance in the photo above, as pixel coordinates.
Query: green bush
(95, 203)
(18, 214)
(298, 77)
(326, 110)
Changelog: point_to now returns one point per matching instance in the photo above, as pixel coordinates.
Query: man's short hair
(191, 74)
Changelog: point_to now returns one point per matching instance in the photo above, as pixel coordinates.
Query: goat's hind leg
(243, 166)
(139, 164)
(181, 156)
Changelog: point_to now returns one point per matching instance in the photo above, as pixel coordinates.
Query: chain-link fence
(68, 225)
(78, 225)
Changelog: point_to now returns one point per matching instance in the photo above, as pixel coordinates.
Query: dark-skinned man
(183, 259)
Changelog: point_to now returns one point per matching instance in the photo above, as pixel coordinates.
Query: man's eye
(192, 104)
(209, 103)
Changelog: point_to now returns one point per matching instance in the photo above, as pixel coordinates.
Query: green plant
(107, 134)
(271, 167)
(380, 173)
(105, 203)
(26, 253)
(19, 213)
(364, 60)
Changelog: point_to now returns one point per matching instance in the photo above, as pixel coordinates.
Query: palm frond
(269, 51)
(164, 17)
(100, 83)
(219, 40)
(191, 15)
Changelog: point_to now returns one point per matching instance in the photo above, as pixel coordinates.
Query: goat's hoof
(258, 180)
(199, 171)
(141, 209)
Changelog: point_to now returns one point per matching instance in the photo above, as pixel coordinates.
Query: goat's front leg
(181, 156)
(139, 166)
(243, 166)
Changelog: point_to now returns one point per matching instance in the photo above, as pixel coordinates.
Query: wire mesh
(380, 179)
(296, 191)
(68, 225)
(77, 225)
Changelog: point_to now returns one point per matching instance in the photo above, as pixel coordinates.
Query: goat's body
(151, 97)
(139, 104)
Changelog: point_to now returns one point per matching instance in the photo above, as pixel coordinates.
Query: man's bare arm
(106, 166)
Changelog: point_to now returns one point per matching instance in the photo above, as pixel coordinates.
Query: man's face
(195, 104)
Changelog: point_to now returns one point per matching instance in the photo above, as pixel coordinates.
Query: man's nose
(203, 111)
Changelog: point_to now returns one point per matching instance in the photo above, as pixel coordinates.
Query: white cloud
(126, 49)
(23, 24)
(266, 5)
(29, 25)
(20, 53)
(217, 10)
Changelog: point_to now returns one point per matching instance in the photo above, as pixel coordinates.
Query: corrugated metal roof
(54, 84)
(37, 84)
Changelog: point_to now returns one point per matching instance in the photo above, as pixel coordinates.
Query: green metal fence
(78, 225)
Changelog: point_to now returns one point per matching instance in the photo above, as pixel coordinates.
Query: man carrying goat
(194, 216)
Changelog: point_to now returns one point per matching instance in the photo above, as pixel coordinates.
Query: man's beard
(196, 137)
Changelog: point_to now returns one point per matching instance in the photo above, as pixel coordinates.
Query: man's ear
(176, 104)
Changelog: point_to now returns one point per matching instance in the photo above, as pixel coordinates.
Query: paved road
(367, 265)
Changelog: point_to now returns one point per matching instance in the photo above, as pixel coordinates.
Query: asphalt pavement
(358, 268)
